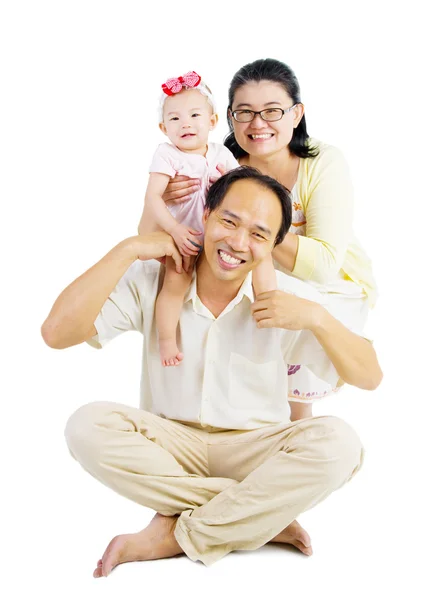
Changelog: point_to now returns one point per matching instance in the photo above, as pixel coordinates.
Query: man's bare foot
(155, 541)
(295, 535)
(169, 353)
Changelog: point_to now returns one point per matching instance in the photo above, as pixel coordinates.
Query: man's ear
(206, 215)
(163, 128)
(213, 121)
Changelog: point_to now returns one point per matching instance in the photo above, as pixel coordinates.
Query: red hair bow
(188, 80)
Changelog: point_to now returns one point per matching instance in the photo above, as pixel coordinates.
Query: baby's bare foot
(154, 542)
(169, 353)
(296, 536)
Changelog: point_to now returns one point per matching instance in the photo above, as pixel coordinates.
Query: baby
(187, 115)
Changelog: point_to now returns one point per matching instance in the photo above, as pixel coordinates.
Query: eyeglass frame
(259, 112)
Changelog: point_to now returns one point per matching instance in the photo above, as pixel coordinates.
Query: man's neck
(215, 294)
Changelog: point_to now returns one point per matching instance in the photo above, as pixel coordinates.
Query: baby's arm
(156, 215)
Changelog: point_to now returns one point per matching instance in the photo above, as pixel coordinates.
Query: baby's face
(187, 120)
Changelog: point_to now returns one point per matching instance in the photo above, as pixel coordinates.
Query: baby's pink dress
(171, 161)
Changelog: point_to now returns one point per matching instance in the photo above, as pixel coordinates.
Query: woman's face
(265, 138)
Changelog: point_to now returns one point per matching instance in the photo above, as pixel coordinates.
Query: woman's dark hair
(219, 189)
(269, 69)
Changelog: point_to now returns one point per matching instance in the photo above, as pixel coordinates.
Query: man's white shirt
(233, 375)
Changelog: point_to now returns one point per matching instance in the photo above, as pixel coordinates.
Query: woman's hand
(221, 170)
(180, 189)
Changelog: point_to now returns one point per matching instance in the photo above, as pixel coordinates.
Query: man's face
(241, 232)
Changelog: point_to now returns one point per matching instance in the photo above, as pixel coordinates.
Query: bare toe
(295, 535)
(98, 572)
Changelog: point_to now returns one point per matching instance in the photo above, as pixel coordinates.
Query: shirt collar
(246, 289)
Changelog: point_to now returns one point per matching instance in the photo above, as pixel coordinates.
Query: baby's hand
(188, 241)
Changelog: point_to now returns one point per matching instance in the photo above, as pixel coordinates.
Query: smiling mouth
(260, 136)
(230, 260)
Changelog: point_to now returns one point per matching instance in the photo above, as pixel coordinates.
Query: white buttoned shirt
(233, 375)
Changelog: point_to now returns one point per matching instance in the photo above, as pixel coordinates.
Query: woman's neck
(282, 166)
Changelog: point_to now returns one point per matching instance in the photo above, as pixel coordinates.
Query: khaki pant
(233, 490)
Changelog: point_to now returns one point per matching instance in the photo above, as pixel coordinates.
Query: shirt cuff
(306, 257)
(98, 340)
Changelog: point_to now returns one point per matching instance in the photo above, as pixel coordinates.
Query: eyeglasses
(267, 114)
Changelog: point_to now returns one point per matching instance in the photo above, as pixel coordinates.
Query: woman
(268, 131)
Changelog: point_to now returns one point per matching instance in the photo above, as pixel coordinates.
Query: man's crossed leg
(214, 491)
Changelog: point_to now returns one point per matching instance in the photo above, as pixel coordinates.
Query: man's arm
(353, 356)
(71, 320)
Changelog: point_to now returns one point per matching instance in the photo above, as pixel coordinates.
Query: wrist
(172, 230)
(129, 249)
(318, 319)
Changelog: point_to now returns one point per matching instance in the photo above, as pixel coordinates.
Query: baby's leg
(168, 308)
(264, 276)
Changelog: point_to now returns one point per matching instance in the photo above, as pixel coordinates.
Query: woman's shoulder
(327, 157)
(324, 152)
(328, 165)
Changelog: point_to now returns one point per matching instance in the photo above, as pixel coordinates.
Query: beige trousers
(233, 490)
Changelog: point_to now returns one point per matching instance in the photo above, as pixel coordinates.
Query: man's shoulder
(298, 287)
(142, 272)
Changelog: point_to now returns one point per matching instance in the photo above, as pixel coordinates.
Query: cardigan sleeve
(328, 200)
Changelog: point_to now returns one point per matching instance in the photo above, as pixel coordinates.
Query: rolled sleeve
(121, 312)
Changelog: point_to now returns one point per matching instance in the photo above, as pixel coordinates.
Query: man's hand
(285, 311)
(156, 245)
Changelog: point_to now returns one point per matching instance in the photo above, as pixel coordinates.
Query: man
(212, 449)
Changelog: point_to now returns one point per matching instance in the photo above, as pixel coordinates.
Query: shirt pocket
(251, 384)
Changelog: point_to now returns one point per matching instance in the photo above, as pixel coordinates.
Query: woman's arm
(286, 252)
(71, 320)
(320, 254)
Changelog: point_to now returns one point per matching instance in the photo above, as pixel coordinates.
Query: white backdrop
(78, 128)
